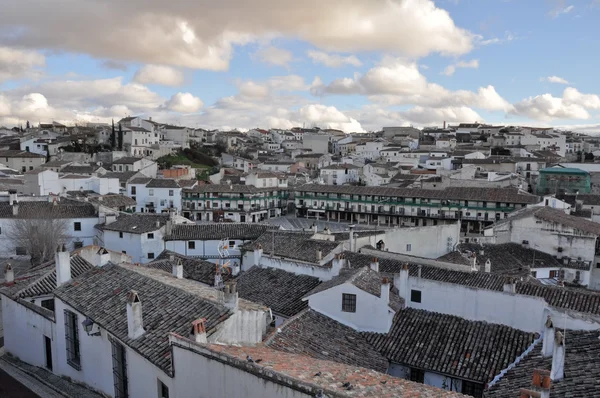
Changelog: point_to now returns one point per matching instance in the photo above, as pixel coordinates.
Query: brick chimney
(9, 274)
(558, 357)
(548, 342)
(178, 269)
(258, 252)
(230, 295)
(488, 266)
(541, 383)
(135, 323)
(351, 238)
(103, 257)
(199, 331)
(375, 264)
(62, 261)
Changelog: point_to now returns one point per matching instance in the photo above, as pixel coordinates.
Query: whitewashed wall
(428, 242)
(135, 245)
(203, 247)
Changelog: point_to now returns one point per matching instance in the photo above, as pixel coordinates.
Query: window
(151, 192)
(119, 358)
(77, 245)
(150, 256)
(191, 245)
(553, 274)
(534, 274)
(415, 296)
(231, 244)
(124, 251)
(163, 390)
(72, 340)
(21, 251)
(150, 236)
(408, 247)
(348, 302)
(472, 389)
(417, 375)
(77, 226)
(48, 304)
(121, 235)
(171, 192)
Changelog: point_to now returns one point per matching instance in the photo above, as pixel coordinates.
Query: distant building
(563, 180)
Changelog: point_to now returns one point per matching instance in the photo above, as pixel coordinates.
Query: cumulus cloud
(275, 84)
(274, 56)
(159, 74)
(333, 60)
(545, 107)
(184, 103)
(450, 69)
(329, 116)
(555, 79)
(202, 34)
(19, 64)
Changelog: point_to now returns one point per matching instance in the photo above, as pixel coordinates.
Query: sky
(354, 65)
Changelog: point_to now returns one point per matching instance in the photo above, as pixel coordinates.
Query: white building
(41, 182)
(317, 143)
(340, 174)
(155, 195)
(21, 160)
(145, 166)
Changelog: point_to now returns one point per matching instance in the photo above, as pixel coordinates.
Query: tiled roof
(318, 336)
(19, 154)
(450, 345)
(233, 188)
(126, 160)
(162, 183)
(328, 376)
(193, 268)
(580, 300)
(294, 245)
(241, 231)
(581, 372)
(504, 195)
(113, 201)
(140, 180)
(277, 289)
(136, 223)
(187, 183)
(363, 278)
(556, 216)
(122, 176)
(45, 209)
(101, 295)
(74, 169)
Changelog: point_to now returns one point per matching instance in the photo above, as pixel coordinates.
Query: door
(48, 349)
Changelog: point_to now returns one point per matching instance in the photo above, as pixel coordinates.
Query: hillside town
(143, 259)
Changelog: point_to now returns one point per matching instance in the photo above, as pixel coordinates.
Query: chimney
(178, 269)
(171, 257)
(63, 265)
(15, 208)
(9, 274)
(315, 228)
(351, 237)
(401, 283)
(558, 357)
(338, 263)
(230, 295)
(525, 244)
(135, 323)
(510, 286)
(488, 266)
(375, 264)
(12, 196)
(548, 343)
(474, 262)
(385, 290)
(319, 255)
(541, 382)
(168, 227)
(258, 252)
(104, 257)
(110, 218)
(444, 125)
(157, 224)
(199, 331)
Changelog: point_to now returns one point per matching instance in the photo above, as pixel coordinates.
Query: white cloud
(275, 56)
(184, 103)
(332, 60)
(555, 79)
(329, 116)
(159, 74)
(275, 84)
(203, 34)
(19, 64)
(560, 9)
(450, 69)
(572, 105)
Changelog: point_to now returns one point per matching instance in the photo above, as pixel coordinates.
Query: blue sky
(349, 64)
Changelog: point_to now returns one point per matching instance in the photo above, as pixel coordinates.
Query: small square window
(151, 192)
(150, 236)
(171, 192)
(231, 244)
(48, 304)
(150, 256)
(163, 390)
(415, 296)
(77, 245)
(408, 247)
(191, 244)
(77, 226)
(124, 251)
(121, 235)
(348, 302)
(21, 251)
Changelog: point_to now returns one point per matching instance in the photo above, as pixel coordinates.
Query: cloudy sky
(356, 65)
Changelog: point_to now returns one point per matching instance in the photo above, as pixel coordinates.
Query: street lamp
(90, 327)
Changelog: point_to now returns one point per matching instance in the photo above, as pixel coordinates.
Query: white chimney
(12, 196)
(135, 323)
(15, 209)
(9, 274)
(258, 252)
(178, 269)
(385, 290)
(375, 264)
(199, 331)
(474, 262)
(319, 255)
(315, 228)
(351, 237)
(63, 265)
(230, 295)
(339, 262)
(104, 257)
(548, 343)
(510, 286)
(419, 269)
(558, 357)
(401, 283)
(488, 266)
